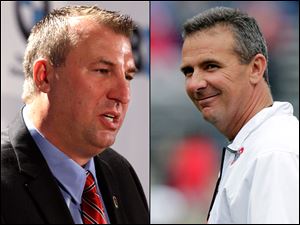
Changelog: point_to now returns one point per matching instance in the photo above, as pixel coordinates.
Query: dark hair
(249, 40)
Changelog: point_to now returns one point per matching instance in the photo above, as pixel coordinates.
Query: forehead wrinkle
(214, 34)
(193, 54)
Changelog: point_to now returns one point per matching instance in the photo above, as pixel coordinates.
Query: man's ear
(41, 74)
(258, 67)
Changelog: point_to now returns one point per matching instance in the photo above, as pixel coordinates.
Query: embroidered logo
(237, 154)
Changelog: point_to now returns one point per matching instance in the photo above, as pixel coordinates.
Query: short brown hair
(249, 40)
(50, 38)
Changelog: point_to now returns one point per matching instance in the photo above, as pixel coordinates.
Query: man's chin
(104, 140)
(106, 143)
(209, 117)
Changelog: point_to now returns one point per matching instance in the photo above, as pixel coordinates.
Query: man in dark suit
(56, 164)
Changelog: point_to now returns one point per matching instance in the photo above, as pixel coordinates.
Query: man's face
(91, 92)
(216, 81)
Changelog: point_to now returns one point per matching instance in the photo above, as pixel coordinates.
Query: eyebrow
(110, 63)
(185, 69)
(105, 61)
(133, 70)
(203, 63)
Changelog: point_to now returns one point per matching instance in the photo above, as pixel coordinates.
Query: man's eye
(187, 71)
(211, 67)
(102, 71)
(129, 77)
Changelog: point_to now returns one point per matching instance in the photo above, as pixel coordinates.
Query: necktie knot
(91, 207)
(90, 185)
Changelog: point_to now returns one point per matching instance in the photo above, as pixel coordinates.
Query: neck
(260, 99)
(39, 114)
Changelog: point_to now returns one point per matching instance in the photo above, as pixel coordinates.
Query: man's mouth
(208, 97)
(109, 117)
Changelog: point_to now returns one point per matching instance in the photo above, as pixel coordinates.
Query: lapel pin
(115, 200)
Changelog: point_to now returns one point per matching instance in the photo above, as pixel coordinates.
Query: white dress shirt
(260, 178)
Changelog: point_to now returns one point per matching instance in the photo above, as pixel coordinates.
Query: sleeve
(274, 194)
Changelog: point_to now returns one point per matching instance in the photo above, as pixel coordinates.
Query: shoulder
(8, 157)
(123, 180)
(115, 165)
(280, 133)
(9, 164)
(113, 158)
(5, 142)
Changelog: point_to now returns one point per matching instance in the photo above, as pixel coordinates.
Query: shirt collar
(278, 108)
(70, 175)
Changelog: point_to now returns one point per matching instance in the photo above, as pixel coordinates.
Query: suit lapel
(109, 191)
(50, 203)
(41, 184)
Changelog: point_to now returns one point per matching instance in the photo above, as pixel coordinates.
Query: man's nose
(120, 90)
(195, 83)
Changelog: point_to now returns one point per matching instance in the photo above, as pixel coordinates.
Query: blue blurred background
(185, 150)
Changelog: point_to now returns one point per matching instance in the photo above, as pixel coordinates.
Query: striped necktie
(92, 210)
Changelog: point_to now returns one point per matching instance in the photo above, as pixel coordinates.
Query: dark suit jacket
(30, 194)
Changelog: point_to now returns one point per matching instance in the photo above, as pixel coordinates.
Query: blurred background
(17, 19)
(186, 150)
